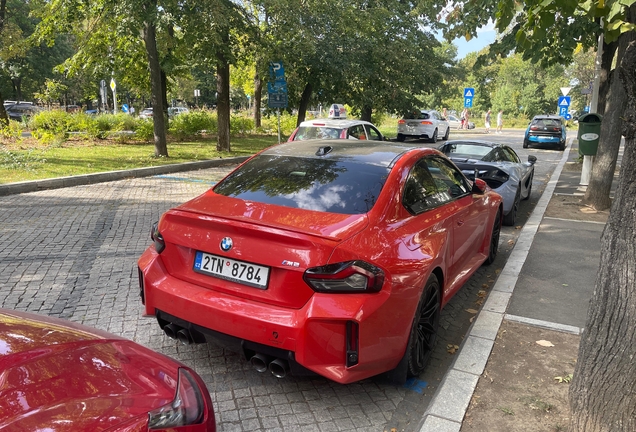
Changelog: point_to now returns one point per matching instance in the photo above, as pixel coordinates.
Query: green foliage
(241, 124)
(145, 130)
(287, 124)
(192, 124)
(53, 122)
(13, 131)
(24, 160)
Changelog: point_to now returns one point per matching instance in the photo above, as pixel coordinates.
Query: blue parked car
(546, 129)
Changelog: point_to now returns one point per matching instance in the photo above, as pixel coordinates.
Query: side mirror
(532, 159)
(479, 186)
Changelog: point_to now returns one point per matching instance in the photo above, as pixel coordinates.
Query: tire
(434, 137)
(400, 137)
(445, 138)
(526, 144)
(562, 145)
(511, 217)
(493, 248)
(529, 186)
(424, 328)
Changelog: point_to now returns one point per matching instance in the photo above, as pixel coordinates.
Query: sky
(485, 36)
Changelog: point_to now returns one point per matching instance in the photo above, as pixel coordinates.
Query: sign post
(469, 94)
(277, 92)
(113, 87)
(197, 93)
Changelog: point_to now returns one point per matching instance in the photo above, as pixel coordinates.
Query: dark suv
(545, 129)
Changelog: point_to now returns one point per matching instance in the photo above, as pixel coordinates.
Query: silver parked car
(499, 166)
(423, 124)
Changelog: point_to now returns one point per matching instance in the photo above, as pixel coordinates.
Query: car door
(468, 223)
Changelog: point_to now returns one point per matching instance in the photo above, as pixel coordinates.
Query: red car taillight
(401, 121)
(156, 237)
(345, 277)
(426, 122)
(187, 408)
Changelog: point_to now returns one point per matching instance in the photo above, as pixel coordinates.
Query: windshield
(467, 150)
(317, 132)
(314, 184)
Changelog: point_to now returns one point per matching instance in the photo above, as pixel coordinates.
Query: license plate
(232, 270)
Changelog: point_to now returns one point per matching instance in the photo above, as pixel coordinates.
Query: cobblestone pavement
(72, 253)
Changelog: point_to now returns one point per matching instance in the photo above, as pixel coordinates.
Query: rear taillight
(401, 121)
(345, 277)
(156, 237)
(426, 122)
(187, 407)
(534, 128)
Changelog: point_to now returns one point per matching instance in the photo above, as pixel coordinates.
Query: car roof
(546, 116)
(383, 153)
(334, 123)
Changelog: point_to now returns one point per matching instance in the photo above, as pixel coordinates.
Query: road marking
(545, 324)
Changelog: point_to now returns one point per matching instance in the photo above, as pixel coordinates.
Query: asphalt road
(72, 253)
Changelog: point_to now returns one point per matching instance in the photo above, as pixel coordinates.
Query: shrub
(13, 131)
(54, 122)
(287, 123)
(144, 130)
(192, 123)
(240, 124)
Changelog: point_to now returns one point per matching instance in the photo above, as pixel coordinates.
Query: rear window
(551, 123)
(417, 115)
(466, 150)
(314, 184)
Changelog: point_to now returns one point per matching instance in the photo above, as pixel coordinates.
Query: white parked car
(423, 124)
(456, 123)
(337, 126)
(146, 113)
(173, 111)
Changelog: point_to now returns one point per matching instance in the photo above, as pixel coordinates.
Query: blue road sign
(568, 116)
(277, 87)
(469, 92)
(586, 109)
(277, 100)
(276, 71)
(563, 111)
(564, 101)
(124, 108)
(468, 102)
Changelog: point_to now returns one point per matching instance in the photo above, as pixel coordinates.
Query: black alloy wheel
(424, 329)
(400, 137)
(447, 134)
(526, 143)
(434, 137)
(511, 217)
(494, 240)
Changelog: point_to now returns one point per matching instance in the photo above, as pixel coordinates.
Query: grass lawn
(30, 160)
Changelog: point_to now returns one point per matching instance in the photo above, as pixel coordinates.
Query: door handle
(460, 222)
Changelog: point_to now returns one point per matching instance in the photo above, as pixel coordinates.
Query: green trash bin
(589, 133)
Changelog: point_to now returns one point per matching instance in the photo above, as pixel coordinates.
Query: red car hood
(59, 376)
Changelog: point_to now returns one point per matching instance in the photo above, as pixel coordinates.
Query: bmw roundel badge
(226, 244)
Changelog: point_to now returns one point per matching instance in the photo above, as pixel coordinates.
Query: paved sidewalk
(530, 290)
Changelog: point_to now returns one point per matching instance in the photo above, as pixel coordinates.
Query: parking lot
(72, 253)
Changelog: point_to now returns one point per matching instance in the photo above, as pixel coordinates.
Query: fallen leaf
(545, 343)
(518, 227)
(511, 242)
(566, 285)
(485, 285)
(497, 271)
(481, 293)
(452, 349)
(472, 311)
(471, 319)
(564, 379)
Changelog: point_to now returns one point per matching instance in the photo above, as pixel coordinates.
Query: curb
(449, 404)
(62, 182)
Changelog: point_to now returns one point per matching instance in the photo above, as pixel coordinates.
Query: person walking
(487, 122)
(500, 121)
(464, 120)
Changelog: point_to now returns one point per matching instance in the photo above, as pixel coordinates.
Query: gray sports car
(499, 166)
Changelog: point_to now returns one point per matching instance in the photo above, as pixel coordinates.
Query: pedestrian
(463, 120)
(500, 121)
(487, 122)
(444, 112)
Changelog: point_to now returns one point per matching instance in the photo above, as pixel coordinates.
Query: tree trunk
(304, 103)
(597, 194)
(366, 113)
(607, 57)
(164, 96)
(258, 94)
(223, 103)
(159, 119)
(603, 391)
(17, 88)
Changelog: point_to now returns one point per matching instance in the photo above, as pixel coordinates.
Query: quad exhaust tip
(260, 362)
(279, 368)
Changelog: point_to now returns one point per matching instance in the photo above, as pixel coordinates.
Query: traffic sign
(469, 92)
(564, 101)
(563, 111)
(124, 108)
(277, 71)
(113, 86)
(568, 116)
(277, 100)
(468, 102)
